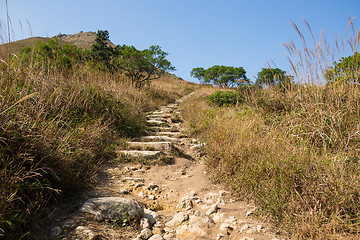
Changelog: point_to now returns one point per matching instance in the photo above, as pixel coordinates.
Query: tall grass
(295, 153)
(58, 123)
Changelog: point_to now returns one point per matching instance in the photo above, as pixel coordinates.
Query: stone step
(159, 115)
(143, 154)
(159, 112)
(159, 139)
(152, 122)
(173, 105)
(167, 109)
(163, 119)
(169, 134)
(164, 129)
(159, 146)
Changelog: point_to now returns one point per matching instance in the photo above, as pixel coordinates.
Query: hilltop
(82, 39)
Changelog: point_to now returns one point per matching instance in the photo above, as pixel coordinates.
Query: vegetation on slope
(61, 115)
(294, 149)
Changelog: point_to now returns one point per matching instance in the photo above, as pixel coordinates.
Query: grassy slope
(83, 39)
(56, 128)
(295, 153)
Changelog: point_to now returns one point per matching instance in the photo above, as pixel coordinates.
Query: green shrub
(224, 99)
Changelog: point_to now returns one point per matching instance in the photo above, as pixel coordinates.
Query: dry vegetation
(295, 151)
(57, 126)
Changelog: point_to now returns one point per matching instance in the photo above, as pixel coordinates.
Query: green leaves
(143, 66)
(346, 71)
(198, 73)
(222, 76)
(118, 222)
(273, 76)
(225, 99)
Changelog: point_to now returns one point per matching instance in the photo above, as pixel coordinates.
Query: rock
(225, 227)
(84, 233)
(159, 146)
(125, 179)
(123, 191)
(247, 238)
(250, 212)
(112, 207)
(143, 154)
(151, 216)
(153, 185)
(138, 185)
(197, 146)
(192, 230)
(213, 209)
(260, 228)
(156, 237)
(145, 234)
(251, 230)
(245, 228)
(152, 197)
(141, 194)
(217, 217)
(177, 220)
(220, 236)
(185, 204)
(231, 220)
(55, 232)
(169, 134)
(159, 138)
(145, 223)
(169, 236)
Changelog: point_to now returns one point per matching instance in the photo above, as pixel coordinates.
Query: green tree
(143, 66)
(346, 71)
(198, 73)
(101, 52)
(225, 77)
(273, 76)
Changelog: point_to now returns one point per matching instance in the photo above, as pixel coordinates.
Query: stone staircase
(160, 138)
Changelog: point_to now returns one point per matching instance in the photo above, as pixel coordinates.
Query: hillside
(82, 39)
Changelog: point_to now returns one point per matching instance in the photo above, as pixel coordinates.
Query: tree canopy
(346, 71)
(198, 73)
(273, 76)
(222, 76)
(143, 66)
(140, 65)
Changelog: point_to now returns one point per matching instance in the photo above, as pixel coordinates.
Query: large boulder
(112, 207)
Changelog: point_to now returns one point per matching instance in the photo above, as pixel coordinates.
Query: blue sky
(195, 33)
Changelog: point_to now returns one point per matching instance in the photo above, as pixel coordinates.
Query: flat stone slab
(169, 134)
(162, 119)
(159, 115)
(164, 129)
(159, 146)
(159, 139)
(112, 207)
(153, 122)
(143, 154)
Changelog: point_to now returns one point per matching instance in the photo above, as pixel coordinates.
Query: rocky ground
(166, 195)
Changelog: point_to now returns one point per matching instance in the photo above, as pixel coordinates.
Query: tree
(198, 73)
(346, 71)
(224, 76)
(273, 76)
(146, 65)
(101, 52)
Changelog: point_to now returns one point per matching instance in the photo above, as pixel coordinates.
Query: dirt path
(175, 192)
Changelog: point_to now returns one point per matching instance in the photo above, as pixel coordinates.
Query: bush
(225, 99)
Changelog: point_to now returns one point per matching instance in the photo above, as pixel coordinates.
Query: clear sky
(195, 33)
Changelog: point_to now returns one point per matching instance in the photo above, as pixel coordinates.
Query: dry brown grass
(56, 128)
(295, 152)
